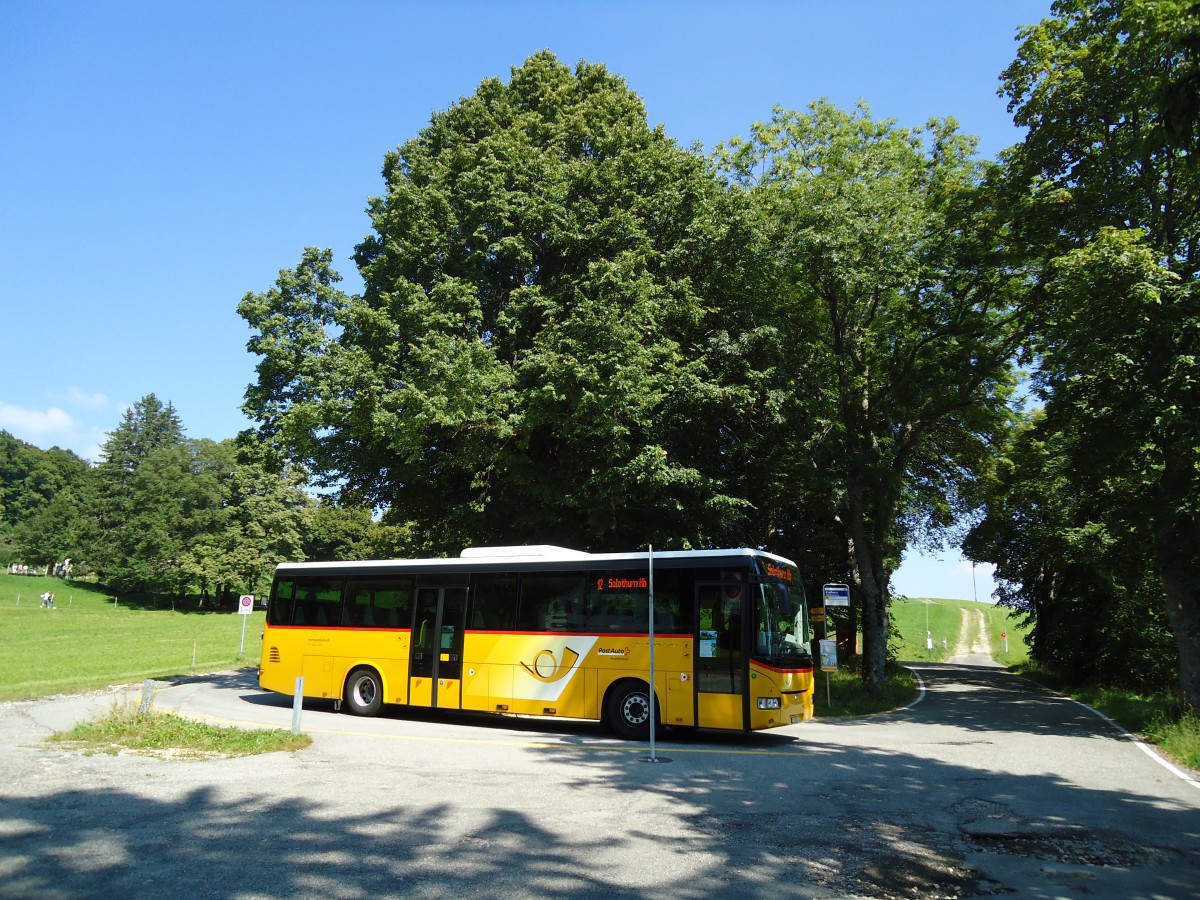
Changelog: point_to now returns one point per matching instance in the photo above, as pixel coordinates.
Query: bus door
(721, 656)
(435, 668)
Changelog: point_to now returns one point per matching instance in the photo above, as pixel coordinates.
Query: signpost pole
(650, 586)
(245, 607)
(654, 757)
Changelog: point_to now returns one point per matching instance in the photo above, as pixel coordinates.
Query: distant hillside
(948, 627)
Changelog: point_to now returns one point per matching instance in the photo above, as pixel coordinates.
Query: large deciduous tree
(562, 335)
(1065, 556)
(1108, 92)
(904, 306)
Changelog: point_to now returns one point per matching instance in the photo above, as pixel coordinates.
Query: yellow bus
(547, 631)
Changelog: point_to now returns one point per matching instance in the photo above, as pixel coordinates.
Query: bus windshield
(781, 629)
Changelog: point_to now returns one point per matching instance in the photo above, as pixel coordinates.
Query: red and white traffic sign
(246, 604)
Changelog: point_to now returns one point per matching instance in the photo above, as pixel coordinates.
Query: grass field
(945, 619)
(89, 641)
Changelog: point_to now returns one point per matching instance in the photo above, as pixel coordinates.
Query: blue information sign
(836, 594)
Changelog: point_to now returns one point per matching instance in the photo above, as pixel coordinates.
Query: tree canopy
(905, 307)
(559, 339)
(1108, 92)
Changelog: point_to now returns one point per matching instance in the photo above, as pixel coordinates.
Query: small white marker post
(147, 696)
(297, 704)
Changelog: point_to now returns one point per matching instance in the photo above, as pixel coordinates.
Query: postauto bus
(546, 631)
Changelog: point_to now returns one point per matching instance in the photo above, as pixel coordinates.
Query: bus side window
(377, 602)
(392, 606)
(279, 609)
(620, 601)
(493, 602)
(552, 603)
(318, 601)
(357, 611)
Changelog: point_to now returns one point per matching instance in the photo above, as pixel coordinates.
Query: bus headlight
(768, 703)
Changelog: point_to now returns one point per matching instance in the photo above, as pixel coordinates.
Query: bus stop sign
(836, 594)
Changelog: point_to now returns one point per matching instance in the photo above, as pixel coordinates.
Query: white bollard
(297, 704)
(147, 696)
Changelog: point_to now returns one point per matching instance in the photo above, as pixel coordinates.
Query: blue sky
(159, 160)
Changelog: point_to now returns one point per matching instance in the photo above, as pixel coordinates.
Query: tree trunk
(871, 582)
(1182, 598)
(1183, 610)
(1177, 535)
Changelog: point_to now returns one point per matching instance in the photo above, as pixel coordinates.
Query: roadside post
(653, 757)
(297, 704)
(245, 607)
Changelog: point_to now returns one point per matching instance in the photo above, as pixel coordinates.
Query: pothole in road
(1065, 846)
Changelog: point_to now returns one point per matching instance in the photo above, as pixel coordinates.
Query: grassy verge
(127, 729)
(90, 641)
(839, 694)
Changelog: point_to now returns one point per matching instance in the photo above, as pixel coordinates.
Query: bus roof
(531, 558)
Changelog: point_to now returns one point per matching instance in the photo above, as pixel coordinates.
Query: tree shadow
(793, 813)
(588, 818)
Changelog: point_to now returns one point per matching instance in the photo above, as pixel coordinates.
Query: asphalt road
(987, 786)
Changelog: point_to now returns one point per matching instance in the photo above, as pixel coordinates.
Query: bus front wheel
(628, 710)
(364, 692)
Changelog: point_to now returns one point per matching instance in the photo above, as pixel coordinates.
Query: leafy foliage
(39, 495)
(1107, 89)
(559, 338)
(905, 322)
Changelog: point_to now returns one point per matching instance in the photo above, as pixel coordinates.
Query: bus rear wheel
(627, 711)
(364, 692)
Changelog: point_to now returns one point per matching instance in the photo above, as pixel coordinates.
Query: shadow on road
(764, 815)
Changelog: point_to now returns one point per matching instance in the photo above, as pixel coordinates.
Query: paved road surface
(986, 787)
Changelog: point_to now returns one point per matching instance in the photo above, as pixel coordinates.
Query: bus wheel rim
(364, 690)
(636, 709)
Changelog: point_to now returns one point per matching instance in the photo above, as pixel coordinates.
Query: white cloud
(78, 398)
(55, 427)
(37, 426)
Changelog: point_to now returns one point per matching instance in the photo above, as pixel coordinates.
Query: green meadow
(91, 641)
(947, 625)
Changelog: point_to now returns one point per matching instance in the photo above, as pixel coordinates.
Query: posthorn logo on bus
(549, 668)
